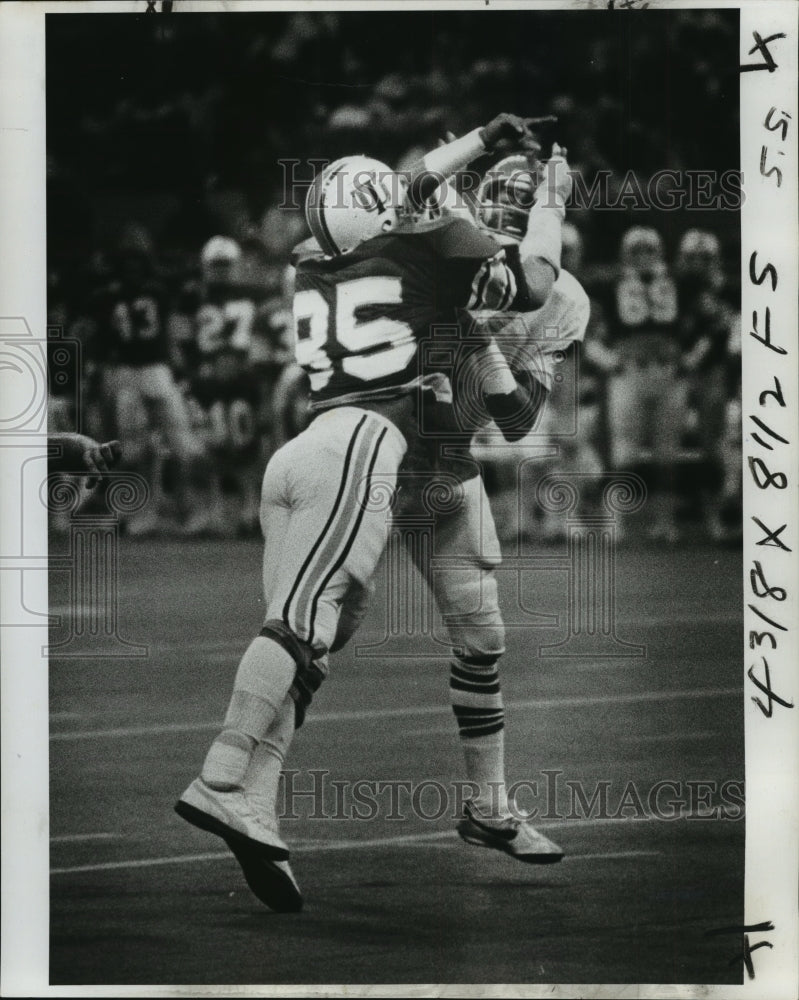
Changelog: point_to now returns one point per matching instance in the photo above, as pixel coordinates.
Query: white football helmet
(642, 248)
(352, 200)
(218, 258)
(220, 248)
(699, 257)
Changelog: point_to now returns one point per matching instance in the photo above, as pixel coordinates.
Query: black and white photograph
(399, 544)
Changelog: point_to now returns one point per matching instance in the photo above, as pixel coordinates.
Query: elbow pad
(516, 412)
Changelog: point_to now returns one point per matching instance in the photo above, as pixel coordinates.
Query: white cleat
(230, 816)
(261, 854)
(512, 836)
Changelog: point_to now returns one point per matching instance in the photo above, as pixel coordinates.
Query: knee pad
(478, 643)
(310, 673)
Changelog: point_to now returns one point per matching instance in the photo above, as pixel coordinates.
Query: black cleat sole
(234, 839)
(272, 886)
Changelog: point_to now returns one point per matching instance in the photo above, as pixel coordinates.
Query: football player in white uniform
(647, 395)
(512, 202)
(364, 302)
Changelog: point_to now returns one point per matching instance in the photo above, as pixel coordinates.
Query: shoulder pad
(306, 250)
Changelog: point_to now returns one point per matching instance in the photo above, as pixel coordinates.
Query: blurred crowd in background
(169, 237)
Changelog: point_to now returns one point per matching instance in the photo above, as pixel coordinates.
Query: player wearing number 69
(372, 288)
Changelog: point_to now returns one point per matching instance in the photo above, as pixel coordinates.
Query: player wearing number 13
(138, 388)
(366, 297)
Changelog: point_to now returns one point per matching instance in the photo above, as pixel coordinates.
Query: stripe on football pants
(337, 534)
(343, 483)
(345, 551)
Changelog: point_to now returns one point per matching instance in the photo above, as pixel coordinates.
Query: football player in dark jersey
(224, 390)
(380, 285)
(129, 319)
(709, 326)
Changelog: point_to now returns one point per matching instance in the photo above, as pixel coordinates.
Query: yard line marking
(163, 729)
(667, 737)
(611, 855)
(410, 710)
(333, 845)
(409, 840)
(75, 838)
(142, 863)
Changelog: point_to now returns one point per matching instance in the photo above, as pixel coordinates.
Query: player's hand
(556, 184)
(84, 455)
(508, 133)
(99, 458)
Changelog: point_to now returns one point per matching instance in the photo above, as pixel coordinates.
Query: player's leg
(169, 412)
(670, 393)
(465, 590)
(126, 416)
(712, 405)
(627, 418)
(321, 533)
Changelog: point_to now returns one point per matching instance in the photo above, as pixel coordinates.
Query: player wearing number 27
(364, 302)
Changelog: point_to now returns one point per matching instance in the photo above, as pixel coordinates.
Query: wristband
(455, 155)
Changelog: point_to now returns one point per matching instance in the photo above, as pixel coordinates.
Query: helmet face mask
(352, 200)
(505, 197)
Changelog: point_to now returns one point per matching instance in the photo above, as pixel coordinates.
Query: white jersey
(533, 340)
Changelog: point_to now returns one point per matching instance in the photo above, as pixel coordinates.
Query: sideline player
(224, 391)
(647, 397)
(710, 326)
(361, 308)
(129, 319)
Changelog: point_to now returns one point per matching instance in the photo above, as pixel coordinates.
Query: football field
(140, 897)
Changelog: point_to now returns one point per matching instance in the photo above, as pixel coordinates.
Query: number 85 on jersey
(347, 336)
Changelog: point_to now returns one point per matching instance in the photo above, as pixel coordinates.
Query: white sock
(263, 775)
(263, 679)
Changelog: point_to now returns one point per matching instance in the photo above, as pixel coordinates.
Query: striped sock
(477, 703)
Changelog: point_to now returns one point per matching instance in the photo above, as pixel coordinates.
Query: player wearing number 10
(377, 285)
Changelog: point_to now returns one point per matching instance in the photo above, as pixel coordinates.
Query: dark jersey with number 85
(362, 318)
